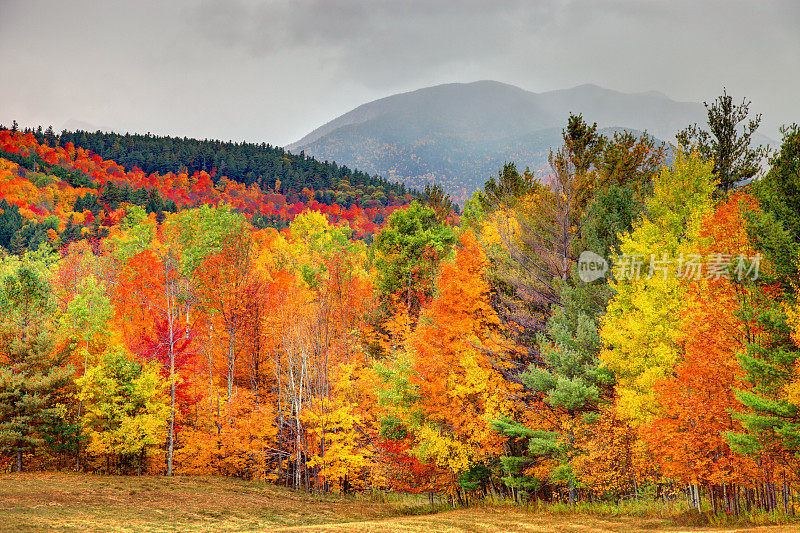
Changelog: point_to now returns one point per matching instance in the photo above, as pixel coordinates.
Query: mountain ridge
(459, 134)
(366, 112)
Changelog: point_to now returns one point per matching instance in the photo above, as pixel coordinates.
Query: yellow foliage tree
(641, 327)
(126, 407)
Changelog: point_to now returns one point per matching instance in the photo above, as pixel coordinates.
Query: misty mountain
(460, 134)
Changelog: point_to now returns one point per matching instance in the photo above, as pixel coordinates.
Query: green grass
(79, 502)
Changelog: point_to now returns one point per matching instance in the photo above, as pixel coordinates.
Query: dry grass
(497, 520)
(72, 502)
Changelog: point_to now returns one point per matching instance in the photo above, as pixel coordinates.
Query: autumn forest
(171, 306)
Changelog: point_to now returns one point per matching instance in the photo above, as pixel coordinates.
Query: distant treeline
(271, 167)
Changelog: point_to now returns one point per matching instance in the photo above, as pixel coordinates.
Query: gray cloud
(274, 70)
(377, 43)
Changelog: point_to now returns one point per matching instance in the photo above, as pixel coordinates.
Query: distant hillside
(57, 191)
(460, 134)
(271, 167)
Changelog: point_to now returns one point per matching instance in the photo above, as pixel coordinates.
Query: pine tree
(771, 413)
(779, 190)
(570, 381)
(726, 143)
(27, 377)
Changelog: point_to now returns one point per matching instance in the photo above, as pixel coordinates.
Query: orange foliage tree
(698, 399)
(454, 369)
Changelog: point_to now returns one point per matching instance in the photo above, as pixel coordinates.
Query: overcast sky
(272, 71)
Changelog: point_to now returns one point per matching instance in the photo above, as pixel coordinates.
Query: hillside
(51, 188)
(270, 167)
(460, 134)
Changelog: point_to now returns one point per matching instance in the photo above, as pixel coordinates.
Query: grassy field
(72, 502)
